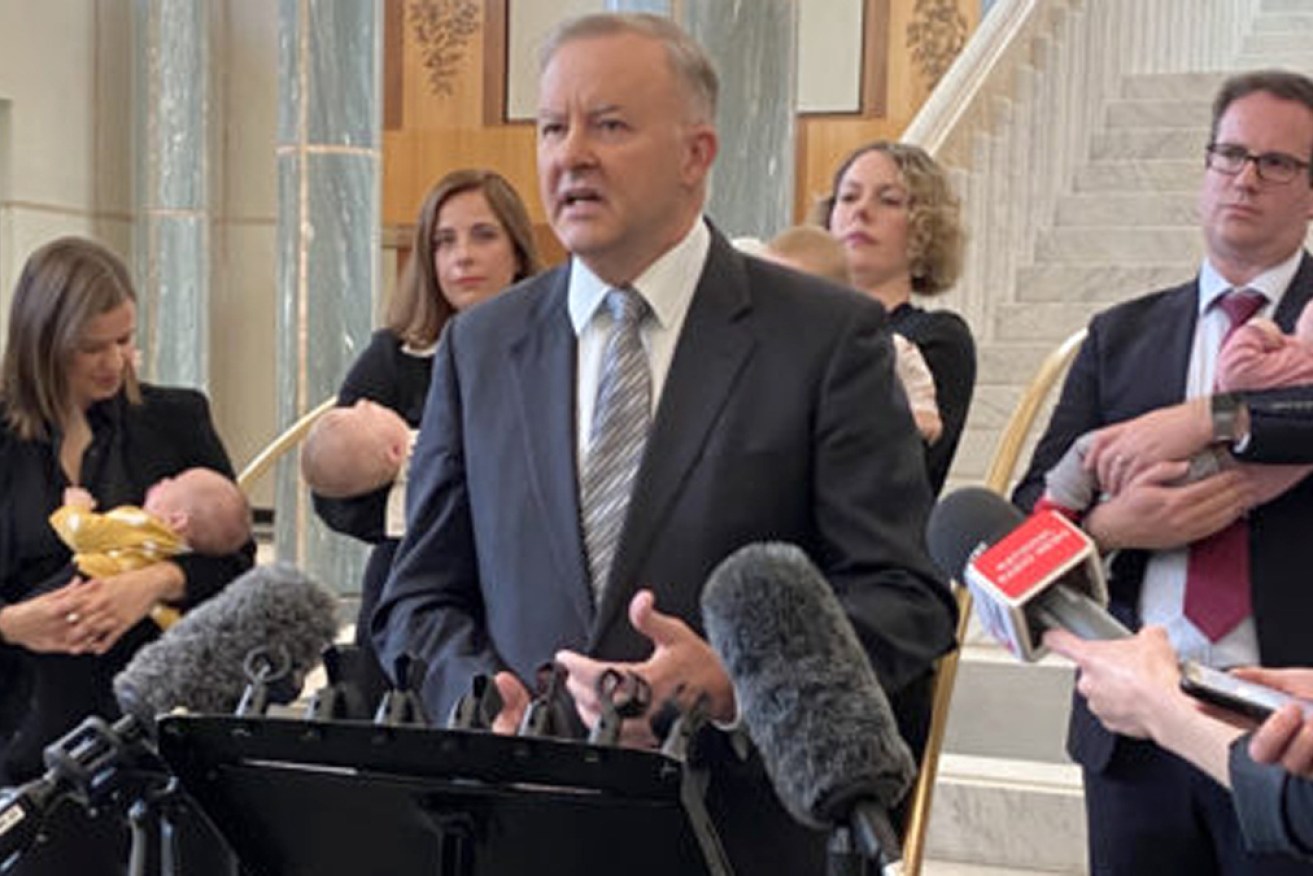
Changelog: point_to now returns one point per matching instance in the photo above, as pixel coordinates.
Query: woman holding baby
(74, 415)
(893, 210)
(473, 239)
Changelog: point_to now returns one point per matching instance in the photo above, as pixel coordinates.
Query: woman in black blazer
(72, 413)
(473, 239)
(893, 210)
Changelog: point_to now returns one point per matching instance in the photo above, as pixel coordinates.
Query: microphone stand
(864, 844)
(152, 817)
(116, 766)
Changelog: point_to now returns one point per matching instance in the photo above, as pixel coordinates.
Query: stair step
(984, 720)
(1141, 176)
(991, 406)
(1127, 209)
(1097, 283)
(1167, 86)
(931, 867)
(1275, 60)
(1278, 6)
(1013, 814)
(1009, 364)
(1159, 114)
(1181, 144)
(1286, 22)
(1118, 245)
(1049, 321)
(1277, 44)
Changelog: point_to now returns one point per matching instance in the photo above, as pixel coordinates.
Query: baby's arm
(1259, 356)
(77, 497)
(1069, 487)
(919, 385)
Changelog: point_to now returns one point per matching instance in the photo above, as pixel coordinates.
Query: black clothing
(1275, 808)
(386, 373)
(43, 696)
(1280, 426)
(945, 341)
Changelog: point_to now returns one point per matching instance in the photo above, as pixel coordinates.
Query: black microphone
(807, 695)
(1027, 574)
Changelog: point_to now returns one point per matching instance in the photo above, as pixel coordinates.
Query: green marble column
(329, 154)
(754, 48)
(172, 84)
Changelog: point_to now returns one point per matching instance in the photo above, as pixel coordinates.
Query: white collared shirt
(667, 286)
(1162, 596)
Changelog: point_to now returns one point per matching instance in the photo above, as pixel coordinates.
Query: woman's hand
(106, 608)
(44, 624)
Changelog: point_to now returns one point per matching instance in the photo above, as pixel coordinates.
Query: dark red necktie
(1217, 574)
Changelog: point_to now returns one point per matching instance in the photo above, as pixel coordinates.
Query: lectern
(296, 797)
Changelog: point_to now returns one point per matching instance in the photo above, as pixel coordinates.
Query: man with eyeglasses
(1229, 583)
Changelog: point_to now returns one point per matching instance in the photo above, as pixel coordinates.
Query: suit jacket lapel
(714, 345)
(1177, 347)
(543, 364)
(1299, 293)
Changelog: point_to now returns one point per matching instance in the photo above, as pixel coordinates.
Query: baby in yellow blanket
(199, 510)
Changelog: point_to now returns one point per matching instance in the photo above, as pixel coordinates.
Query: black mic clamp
(478, 708)
(401, 706)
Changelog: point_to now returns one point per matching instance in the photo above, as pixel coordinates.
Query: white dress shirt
(667, 286)
(1162, 596)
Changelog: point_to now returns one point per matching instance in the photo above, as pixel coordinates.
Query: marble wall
(65, 138)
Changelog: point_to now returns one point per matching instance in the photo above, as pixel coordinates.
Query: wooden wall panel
(824, 140)
(434, 132)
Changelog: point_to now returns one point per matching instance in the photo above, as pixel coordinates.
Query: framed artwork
(838, 71)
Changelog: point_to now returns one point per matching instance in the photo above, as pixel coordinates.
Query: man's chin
(581, 241)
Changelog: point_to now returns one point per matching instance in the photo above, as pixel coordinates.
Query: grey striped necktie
(621, 417)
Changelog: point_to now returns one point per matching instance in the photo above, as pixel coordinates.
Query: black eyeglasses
(1273, 167)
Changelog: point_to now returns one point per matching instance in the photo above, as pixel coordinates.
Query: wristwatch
(1223, 409)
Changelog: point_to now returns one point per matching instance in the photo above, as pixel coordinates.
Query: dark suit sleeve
(1077, 412)
(871, 504)
(373, 376)
(1280, 426)
(1275, 808)
(432, 606)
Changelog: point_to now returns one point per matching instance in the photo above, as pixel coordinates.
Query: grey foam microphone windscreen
(199, 663)
(806, 691)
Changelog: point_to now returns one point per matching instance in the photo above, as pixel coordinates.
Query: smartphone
(1222, 689)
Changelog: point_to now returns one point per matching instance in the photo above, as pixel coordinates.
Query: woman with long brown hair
(473, 239)
(73, 414)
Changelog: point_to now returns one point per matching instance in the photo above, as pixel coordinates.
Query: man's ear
(703, 146)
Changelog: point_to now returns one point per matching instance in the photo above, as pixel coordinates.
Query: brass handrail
(997, 478)
(283, 442)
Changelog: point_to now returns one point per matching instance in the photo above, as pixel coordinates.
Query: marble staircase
(1078, 196)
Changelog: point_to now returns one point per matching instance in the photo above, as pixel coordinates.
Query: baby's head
(810, 249)
(355, 450)
(205, 508)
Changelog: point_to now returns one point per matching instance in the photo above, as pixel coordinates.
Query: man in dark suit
(773, 410)
(1149, 811)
